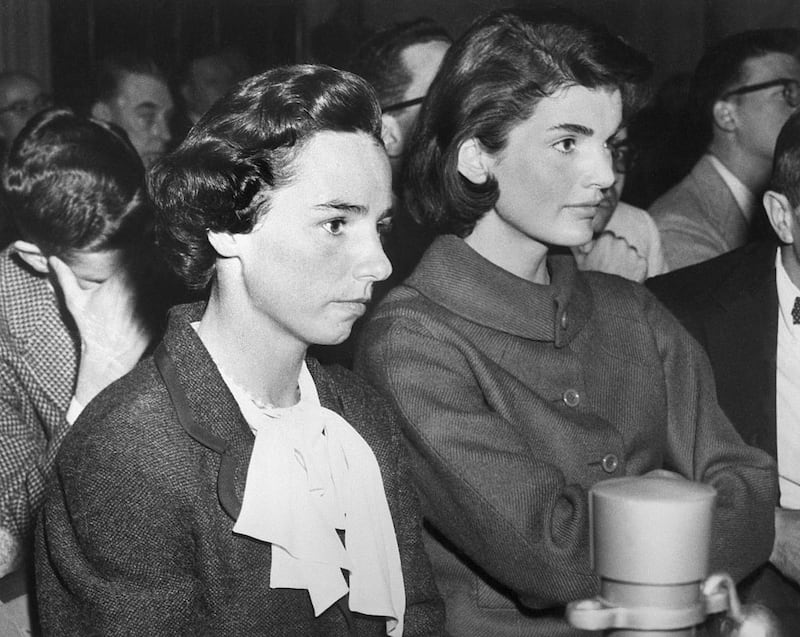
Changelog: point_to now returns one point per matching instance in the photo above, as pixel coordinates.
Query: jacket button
(610, 463)
(571, 398)
(564, 320)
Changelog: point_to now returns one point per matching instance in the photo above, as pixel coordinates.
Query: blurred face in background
(21, 97)
(620, 157)
(142, 108)
(209, 79)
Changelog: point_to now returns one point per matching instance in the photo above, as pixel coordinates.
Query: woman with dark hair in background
(230, 485)
(522, 380)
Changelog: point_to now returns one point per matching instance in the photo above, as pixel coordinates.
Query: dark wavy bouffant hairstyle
(785, 177)
(75, 184)
(491, 79)
(245, 146)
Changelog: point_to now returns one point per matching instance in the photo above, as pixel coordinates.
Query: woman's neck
(496, 241)
(253, 353)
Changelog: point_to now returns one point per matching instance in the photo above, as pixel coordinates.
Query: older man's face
(142, 107)
(20, 99)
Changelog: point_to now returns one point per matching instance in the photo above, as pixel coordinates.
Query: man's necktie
(796, 311)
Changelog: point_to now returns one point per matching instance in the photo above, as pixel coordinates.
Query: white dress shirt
(787, 391)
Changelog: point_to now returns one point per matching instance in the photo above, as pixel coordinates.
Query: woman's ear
(31, 255)
(780, 214)
(473, 161)
(225, 244)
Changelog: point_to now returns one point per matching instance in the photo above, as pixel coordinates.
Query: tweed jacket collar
(455, 276)
(35, 326)
(213, 407)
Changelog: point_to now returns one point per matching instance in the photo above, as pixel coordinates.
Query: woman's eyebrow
(342, 206)
(578, 129)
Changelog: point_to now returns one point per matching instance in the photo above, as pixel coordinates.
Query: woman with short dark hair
(523, 381)
(230, 485)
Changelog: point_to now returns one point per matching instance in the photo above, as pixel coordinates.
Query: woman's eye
(334, 226)
(565, 145)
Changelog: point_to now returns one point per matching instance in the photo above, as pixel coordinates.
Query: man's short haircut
(722, 68)
(491, 80)
(75, 184)
(219, 179)
(379, 60)
(112, 70)
(786, 161)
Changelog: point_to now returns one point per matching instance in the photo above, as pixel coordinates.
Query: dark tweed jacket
(517, 398)
(133, 539)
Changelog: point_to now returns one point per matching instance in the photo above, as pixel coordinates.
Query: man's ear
(31, 255)
(473, 161)
(780, 214)
(724, 114)
(392, 135)
(100, 110)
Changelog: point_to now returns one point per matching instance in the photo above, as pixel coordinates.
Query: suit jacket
(730, 305)
(518, 398)
(699, 218)
(136, 534)
(38, 367)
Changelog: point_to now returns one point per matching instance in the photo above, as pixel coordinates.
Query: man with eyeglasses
(21, 97)
(400, 61)
(132, 92)
(743, 90)
(626, 240)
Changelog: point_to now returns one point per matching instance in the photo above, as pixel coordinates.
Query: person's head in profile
(280, 210)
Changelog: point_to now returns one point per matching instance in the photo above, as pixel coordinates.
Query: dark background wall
(58, 40)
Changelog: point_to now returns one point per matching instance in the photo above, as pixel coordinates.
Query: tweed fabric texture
(698, 218)
(133, 539)
(517, 398)
(38, 367)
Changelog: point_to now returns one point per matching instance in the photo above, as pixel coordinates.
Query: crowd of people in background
(338, 351)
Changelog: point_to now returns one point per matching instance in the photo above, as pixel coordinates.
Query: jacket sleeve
(481, 485)
(703, 445)
(27, 455)
(105, 569)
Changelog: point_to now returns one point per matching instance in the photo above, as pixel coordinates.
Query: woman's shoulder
(132, 416)
(617, 296)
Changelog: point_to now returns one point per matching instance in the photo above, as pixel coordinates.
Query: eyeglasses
(791, 90)
(27, 107)
(405, 104)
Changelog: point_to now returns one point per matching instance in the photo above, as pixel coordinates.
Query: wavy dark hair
(220, 177)
(74, 184)
(491, 79)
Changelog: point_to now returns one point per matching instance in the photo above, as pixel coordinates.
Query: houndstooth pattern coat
(38, 366)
